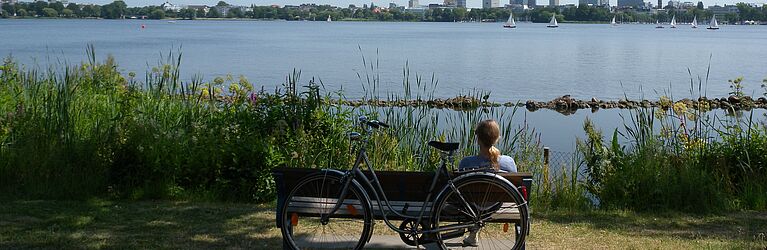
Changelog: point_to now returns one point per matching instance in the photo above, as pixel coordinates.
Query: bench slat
(312, 206)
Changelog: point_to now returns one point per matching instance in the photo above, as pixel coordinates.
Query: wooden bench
(406, 192)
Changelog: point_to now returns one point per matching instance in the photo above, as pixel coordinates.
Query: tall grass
(74, 132)
(87, 130)
(679, 157)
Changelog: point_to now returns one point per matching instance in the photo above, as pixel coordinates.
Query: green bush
(93, 132)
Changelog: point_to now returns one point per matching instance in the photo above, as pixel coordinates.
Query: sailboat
(673, 22)
(329, 20)
(510, 23)
(695, 22)
(613, 23)
(658, 25)
(553, 22)
(713, 25)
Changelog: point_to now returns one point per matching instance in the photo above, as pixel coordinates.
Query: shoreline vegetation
(747, 14)
(88, 130)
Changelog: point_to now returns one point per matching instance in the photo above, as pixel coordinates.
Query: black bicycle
(473, 208)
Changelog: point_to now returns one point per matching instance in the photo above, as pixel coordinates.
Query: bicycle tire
(316, 195)
(494, 233)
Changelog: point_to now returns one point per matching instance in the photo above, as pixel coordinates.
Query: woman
(487, 133)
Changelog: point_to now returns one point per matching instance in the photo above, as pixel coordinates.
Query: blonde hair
(487, 133)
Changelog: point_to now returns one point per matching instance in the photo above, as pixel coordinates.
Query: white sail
(553, 22)
(510, 23)
(329, 20)
(613, 21)
(713, 25)
(695, 22)
(673, 22)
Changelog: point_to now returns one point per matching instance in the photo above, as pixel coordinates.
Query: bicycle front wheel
(316, 196)
(481, 213)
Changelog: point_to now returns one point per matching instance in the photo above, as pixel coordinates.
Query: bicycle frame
(356, 174)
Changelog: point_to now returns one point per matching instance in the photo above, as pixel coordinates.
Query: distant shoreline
(342, 20)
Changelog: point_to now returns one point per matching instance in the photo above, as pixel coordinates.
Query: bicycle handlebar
(372, 123)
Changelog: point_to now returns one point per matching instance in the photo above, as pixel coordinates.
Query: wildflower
(680, 108)
(294, 155)
(660, 114)
(691, 116)
(234, 88)
(253, 98)
(218, 80)
(664, 102)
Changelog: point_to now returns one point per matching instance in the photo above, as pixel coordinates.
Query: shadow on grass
(747, 226)
(136, 225)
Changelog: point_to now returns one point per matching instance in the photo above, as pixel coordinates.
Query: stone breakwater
(568, 105)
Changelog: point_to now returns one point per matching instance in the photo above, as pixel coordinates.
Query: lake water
(530, 62)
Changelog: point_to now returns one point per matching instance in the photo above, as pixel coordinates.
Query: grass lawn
(195, 225)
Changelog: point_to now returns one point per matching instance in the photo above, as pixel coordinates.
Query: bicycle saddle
(444, 146)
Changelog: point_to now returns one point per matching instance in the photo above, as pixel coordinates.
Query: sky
(344, 3)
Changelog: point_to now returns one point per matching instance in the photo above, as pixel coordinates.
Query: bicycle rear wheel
(315, 196)
(496, 214)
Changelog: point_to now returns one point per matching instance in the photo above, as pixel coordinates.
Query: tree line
(118, 9)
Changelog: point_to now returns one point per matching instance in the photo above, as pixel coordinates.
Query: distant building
(553, 3)
(204, 8)
(588, 2)
(412, 4)
(167, 6)
(450, 3)
(392, 5)
(673, 4)
(660, 4)
(722, 10)
(487, 4)
(531, 3)
(636, 4)
(461, 3)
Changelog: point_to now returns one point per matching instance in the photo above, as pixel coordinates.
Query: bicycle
(477, 202)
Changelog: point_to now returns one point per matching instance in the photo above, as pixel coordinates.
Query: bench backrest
(398, 185)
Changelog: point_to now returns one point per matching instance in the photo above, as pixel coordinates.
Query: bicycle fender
(462, 177)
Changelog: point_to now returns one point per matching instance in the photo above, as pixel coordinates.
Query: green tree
(235, 13)
(114, 10)
(50, 12)
(58, 6)
(68, 13)
(700, 5)
(213, 13)
(157, 14)
(9, 9)
(200, 13)
(91, 11)
(222, 3)
(22, 13)
(75, 9)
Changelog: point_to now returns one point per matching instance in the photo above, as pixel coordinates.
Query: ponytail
(495, 155)
(488, 133)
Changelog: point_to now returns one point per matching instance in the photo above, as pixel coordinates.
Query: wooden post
(546, 168)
